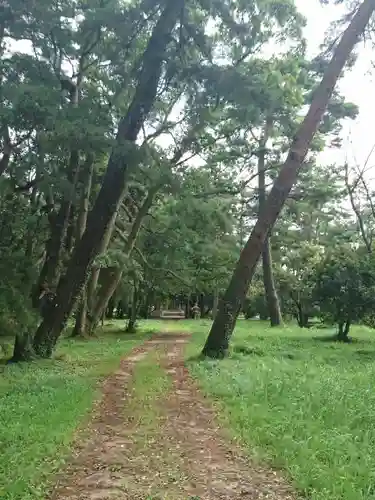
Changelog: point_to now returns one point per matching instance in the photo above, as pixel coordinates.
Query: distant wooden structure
(168, 314)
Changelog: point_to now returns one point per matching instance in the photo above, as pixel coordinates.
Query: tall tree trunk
(59, 224)
(113, 277)
(302, 317)
(215, 304)
(343, 331)
(95, 273)
(217, 342)
(30, 237)
(201, 305)
(144, 311)
(80, 323)
(270, 291)
(23, 349)
(114, 184)
(120, 313)
(7, 150)
(131, 326)
(111, 280)
(188, 306)
(272, 298)
(110, 311)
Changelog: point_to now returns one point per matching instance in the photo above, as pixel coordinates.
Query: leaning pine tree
(114, 185)
(217, 342)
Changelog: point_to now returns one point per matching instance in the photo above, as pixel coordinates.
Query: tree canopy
(140, 141)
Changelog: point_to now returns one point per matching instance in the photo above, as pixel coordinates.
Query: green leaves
(345, 285)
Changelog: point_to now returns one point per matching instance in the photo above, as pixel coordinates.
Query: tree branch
(160, 269)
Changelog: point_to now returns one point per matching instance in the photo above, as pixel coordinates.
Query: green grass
(305, 405)
(150, 383)
(148, 443)
(41, 406)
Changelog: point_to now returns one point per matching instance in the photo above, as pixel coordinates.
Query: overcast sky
(358, 86)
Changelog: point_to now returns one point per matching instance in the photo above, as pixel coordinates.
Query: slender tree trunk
(270, 291)
(217, 343)
(201, 305)
(272, 298)
(80, 325)
(215, 302)
(188, 307)
(121, 309)
(23, 349)
(114, 184)
(7, 150)
(111, 280)
(302, 317)
(343, 331)
(70, 232)
(110, 311)
(29, 250)
(95, 273)
(81, 318)
(51, 269)
(114, 277)
(131, 326)
(59, 224)
(146, 304)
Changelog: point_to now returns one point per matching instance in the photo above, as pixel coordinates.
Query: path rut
(183, 456)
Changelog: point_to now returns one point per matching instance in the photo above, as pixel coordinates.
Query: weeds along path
(154, 437)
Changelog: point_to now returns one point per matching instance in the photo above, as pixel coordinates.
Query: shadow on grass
(332, 338)
(197, 358)
(335, 339)
(365, 355)
(239, 352)
(248, 351)
(305, 350)
(118, 334)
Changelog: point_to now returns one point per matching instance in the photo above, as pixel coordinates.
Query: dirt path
(153, 437)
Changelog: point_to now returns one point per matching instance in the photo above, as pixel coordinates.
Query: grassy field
(305, 405)
(43, 403)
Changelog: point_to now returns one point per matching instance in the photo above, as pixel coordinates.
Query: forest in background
(140, 141)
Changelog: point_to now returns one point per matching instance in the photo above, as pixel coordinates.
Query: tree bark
(80, 325)
(272, 298)
(59, 224)
(7, 151)
(131, 326)
(110, 310)
(95, 273)
(302, 317)
(113, 279)
(217, 342)
(79, 329)
(23, 350)
(270, 291)
(343, 331)
(114, 183)
(215, 304)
